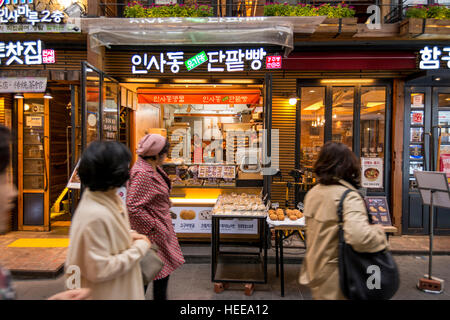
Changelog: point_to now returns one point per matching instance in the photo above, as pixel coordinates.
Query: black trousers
(159, 288)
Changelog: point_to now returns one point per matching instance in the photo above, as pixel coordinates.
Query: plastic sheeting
(278, 31)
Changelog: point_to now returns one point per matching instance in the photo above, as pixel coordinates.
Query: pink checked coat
(148, 204)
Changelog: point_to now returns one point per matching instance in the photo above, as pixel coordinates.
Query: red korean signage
(273, 62)
(182, 98)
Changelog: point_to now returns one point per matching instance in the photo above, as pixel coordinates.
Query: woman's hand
(137, 236)
(75, 294)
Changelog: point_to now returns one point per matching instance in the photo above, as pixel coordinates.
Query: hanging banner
(372, 172)
(175, 98)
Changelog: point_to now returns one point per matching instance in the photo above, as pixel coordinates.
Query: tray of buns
(239, 205)
(285, 217)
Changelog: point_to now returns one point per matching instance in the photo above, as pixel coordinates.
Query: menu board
(379, 210)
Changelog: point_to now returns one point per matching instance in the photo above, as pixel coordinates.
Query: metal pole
(430, 260)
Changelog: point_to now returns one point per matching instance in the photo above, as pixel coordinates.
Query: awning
(275, 31)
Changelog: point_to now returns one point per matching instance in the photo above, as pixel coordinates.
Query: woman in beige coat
(101, 244)
(337, 170)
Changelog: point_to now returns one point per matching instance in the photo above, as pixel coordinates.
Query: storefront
(40, 55)
(426, 137)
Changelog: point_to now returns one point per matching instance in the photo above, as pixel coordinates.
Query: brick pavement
(49, 262)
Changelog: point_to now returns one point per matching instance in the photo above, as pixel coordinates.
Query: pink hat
(151, 145)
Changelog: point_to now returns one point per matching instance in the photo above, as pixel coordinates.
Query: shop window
(444, 123)
(342, 119)
(312, 125)
(372, 132)
(110, 110)
(210, 134)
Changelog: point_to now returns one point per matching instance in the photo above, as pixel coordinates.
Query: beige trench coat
(320, 267)
(102, 247)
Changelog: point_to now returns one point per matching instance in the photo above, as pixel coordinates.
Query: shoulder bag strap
(341, 205)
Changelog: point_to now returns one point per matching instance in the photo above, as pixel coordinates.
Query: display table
(251, 273)
(284, 230)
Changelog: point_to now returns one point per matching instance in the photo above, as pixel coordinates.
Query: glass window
(92, 106)
(372, 133)
(312, 106)
(110, 110)
(33, 144)
(343, 103)
(373, 124)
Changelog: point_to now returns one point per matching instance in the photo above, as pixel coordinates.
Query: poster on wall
(372, 172)
(444, 165)
(198, 220)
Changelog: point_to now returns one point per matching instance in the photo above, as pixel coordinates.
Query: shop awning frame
(263, 31)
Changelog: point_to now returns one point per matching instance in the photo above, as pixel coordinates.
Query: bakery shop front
(211, 100)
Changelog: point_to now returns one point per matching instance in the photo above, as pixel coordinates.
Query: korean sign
(273, 62)
(430, 57)
(198, 220)
(173, 98)
(23, 13)
(196, 60)
(26, 52)
(13, 84)
(218, 61)
(372, 172)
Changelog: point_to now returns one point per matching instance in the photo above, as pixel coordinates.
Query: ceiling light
(48, 95)
(237, 81)
(18, 96)
(347, 81)
(26, 107)
(152, 80)
(189, 81)
(293, 101)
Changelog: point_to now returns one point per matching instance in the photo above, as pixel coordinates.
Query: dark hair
(336, 161)
(104, 165)
(164, 150)
(5, 137)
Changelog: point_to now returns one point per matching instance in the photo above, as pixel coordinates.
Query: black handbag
(363, 275)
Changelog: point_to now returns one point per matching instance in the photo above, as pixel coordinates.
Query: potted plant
(136, 10)
(340, 18)
(434, 19)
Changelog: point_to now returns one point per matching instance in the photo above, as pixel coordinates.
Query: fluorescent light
(315, 106)
(237, 81)
(18, 96)
(152, 80)
(48, 95)
(347, 81)
(187, 81)
(374, 104)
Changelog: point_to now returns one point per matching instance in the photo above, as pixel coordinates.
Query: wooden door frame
(46, 191)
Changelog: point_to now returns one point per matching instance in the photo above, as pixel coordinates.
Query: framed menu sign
(379, 210)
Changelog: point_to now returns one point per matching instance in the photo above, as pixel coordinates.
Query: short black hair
(164, 150)
(104, 165)
(336, 161)
(5, 137)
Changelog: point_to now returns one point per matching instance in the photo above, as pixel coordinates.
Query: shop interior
(353, 113)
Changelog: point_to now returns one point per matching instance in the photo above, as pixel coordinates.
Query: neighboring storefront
(40, 55)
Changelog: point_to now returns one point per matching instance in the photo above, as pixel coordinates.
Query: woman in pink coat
(148, 205)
